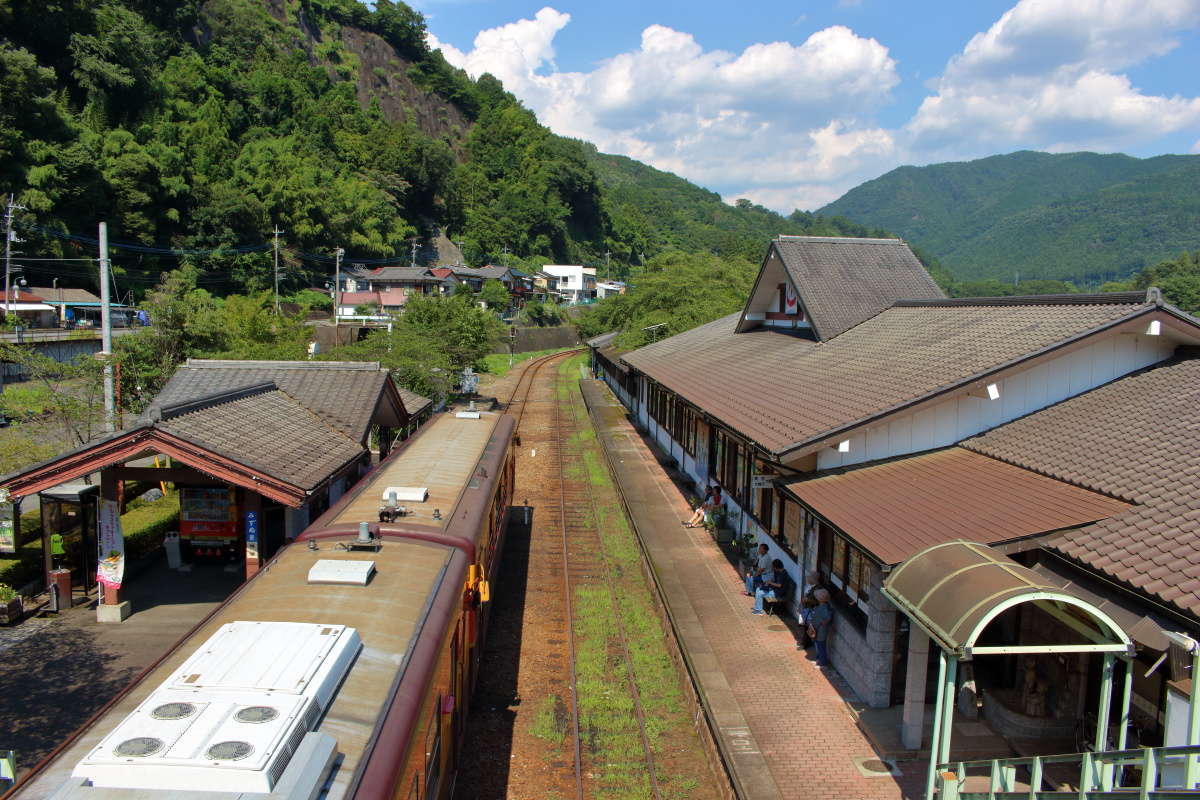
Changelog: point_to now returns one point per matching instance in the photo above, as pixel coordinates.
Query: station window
(846, 569)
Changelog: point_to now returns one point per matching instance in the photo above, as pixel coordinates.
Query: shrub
(6, 593)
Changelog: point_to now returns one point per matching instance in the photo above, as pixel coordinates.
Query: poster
(111, 546)
(8, 532)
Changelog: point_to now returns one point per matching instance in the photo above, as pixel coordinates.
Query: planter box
(11, 611)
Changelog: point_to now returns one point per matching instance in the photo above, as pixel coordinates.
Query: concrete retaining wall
(530, 339)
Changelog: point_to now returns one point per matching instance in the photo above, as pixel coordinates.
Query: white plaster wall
(959, 417)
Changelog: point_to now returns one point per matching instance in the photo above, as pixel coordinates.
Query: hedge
(144, 525)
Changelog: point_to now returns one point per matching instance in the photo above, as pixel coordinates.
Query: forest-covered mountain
(196, 127)
(1079, 217)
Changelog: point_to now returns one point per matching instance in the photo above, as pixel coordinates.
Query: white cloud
(1045, 75)
(775, 112)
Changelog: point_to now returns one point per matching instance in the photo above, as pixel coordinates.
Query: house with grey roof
(262, 447)
(855, 417)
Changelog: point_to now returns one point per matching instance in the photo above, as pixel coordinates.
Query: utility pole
(607, 268)
(276, 232)
(8, 239)
(337, 289)
(413, 249)
(504, 251)
(110, 409)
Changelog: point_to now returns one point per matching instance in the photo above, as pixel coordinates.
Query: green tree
(465, 331)
(495, 294)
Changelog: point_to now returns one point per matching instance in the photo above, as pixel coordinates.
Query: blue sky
(792, 104)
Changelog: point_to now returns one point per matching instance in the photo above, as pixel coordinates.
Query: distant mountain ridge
(1080, 217)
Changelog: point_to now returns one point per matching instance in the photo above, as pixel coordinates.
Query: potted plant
(717, 523)
(10, 604)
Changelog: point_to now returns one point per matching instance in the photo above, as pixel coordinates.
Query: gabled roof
(1136, 438)
(262, 427)
(414, 403)
(233, 420)
(786, 392)
(64, 295)
(344, 394)
(843, 282)
(409, 274)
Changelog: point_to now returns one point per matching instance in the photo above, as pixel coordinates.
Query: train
(344, 668)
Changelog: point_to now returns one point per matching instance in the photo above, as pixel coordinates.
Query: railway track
(581, 553)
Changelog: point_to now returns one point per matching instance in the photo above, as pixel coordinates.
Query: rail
(582, 501)
(1145, 772)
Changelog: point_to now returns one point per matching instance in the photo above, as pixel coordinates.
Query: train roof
(448, 456)
(395, 614)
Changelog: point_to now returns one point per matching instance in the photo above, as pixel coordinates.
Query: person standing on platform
(819, 621)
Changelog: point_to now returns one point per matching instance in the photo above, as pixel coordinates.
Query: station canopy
(955, 589)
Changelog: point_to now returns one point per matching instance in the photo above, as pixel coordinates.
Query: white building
(576, 283)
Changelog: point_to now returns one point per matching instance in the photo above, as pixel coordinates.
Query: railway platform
(786, 727)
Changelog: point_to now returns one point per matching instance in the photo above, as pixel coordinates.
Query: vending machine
(208, 529)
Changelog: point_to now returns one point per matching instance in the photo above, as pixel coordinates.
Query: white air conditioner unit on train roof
(405, 494)
(231, 717)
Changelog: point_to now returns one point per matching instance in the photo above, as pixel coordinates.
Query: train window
(433, 752)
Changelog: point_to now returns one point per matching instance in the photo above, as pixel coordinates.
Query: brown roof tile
(782, 390)
(269, 431)
(845, 281)
(1137, 438)
(342, 393)
(897, 508)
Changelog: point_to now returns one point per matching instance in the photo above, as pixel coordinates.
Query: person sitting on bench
(774, 587)
(758, 568)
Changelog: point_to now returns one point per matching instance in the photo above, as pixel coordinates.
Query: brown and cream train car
(343, 669)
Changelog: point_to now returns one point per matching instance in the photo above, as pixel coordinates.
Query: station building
(257, 449)
(856, 418)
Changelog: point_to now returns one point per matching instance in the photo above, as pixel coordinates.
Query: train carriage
(344, 668)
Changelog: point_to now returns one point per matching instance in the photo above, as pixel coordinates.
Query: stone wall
(865, 658)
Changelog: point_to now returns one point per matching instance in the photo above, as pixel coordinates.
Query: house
(79, 307)
(382, 302)
(267, 445)
(475, 277)
(28, 309)
(576, 283)
(606, 288)
(860, 422)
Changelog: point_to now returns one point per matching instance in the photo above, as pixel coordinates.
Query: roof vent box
(341, 572)
(405, 494)
(230, 718)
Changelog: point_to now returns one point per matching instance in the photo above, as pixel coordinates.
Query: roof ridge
(215, 398)
(789, 237)
(222, 363)
(1096, 299)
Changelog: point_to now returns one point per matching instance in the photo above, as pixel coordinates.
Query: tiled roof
(783, 391)
(413, 402)
(53, 295)
(1137, 438)
(269, 431)
(897, 508)
(411, 274)
(343, 394)
(844, 282)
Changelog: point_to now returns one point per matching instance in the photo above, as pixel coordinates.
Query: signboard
(8, 530)
(111, 543)
(251, 535)
(762, 481)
